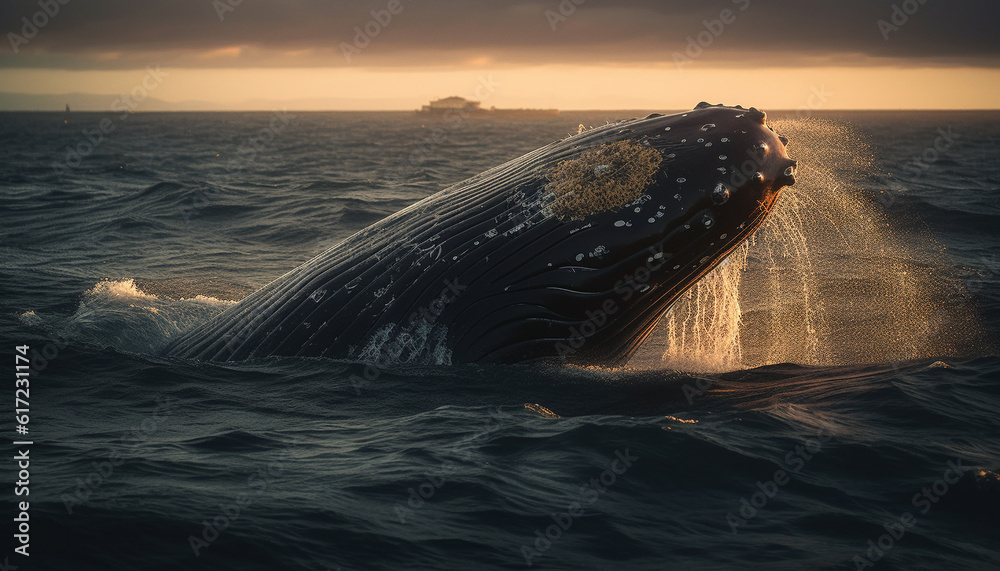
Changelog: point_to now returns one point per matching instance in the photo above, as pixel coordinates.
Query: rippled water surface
(828, 398)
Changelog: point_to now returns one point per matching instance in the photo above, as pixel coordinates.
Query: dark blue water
(869, 458)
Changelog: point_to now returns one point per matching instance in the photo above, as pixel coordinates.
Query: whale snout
(788, 175)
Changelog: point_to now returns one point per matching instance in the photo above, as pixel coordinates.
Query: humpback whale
(569, 253)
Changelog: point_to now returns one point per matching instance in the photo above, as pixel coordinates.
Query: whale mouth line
(766, 205)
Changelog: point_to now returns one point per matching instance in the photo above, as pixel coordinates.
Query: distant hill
(96, 102)
(88, 102)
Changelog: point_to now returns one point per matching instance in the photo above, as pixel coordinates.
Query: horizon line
(640, 109)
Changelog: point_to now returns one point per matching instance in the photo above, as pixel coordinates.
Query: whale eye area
(603, 178)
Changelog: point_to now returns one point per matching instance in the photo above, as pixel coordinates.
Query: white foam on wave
(29, 318)
(127, 289)
(121, 289)
(118, 313)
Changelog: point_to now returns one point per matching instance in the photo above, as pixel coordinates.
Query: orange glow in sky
(566, 54)
(560, 86)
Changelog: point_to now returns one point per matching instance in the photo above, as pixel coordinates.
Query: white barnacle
(619, 223)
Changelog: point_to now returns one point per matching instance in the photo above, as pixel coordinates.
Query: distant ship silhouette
(461, 107)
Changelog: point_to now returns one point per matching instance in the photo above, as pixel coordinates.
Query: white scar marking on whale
(422, 343)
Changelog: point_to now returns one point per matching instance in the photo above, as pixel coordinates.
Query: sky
(566, 54)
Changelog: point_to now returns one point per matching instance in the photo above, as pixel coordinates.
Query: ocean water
(829, 398)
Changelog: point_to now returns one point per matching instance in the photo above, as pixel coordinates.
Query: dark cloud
(96, 34)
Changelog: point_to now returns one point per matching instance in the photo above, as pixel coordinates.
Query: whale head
(659, 202)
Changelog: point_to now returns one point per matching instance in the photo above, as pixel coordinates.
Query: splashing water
(825, 281)
(133, 316)
(704, 324)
